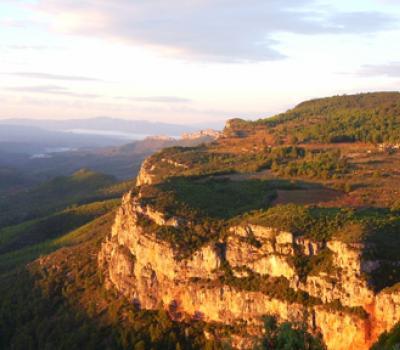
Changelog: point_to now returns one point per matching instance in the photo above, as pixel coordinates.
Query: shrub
(287, 336)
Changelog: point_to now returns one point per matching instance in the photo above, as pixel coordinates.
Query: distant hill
(122, 161)
(12, 179)
(56, 194)
(32, 139)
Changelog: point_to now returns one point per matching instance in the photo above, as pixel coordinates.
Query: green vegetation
(223, 198)
(312, 265)
(54, 195)
(199, 161)
(20, 257)
(205, 207)
(186, 239)
(373, 117)
(389, 340)
(283, 160)
(336, 305)
(317, 164)
(287, 336)
(274, 287)
(318, 224)
(38, 230)
(31, 221)
(209, 206)
(321, 224)
(12, 179)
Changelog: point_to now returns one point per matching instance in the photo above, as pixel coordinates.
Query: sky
(191, 61)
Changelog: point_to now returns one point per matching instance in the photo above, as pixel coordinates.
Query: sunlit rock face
(150, 273)
(145, 177)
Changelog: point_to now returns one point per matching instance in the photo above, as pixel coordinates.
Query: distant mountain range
(40, 154)
(31, 136)
(103, 125)
(32, 139)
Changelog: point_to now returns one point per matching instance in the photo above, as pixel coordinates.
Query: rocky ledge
(213, 282)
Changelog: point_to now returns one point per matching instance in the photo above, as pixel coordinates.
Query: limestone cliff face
(150, 273)
(145, 177)
(268, 258)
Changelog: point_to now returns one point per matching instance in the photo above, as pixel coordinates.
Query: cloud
(212, 30)
(26, 47)
(51, 90)
(158, 99)
(16, 23)
(30, 47)
(46, 76)
(389, 70)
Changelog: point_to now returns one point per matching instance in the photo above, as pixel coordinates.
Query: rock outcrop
(145, 177)
(212, 134)
(150, 273)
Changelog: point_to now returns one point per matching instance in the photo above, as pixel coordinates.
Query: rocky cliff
(248, 272)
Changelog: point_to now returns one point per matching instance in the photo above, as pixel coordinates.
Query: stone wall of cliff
(150, 273)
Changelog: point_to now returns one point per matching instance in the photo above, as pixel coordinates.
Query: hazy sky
(191, 60)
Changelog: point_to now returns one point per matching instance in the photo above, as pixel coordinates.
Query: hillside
(53, 195)
(372, 118)
(295, 217)
(11, 180)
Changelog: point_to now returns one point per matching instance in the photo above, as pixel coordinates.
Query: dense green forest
(371, 117)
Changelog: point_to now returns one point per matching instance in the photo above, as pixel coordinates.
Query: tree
(287, 336)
